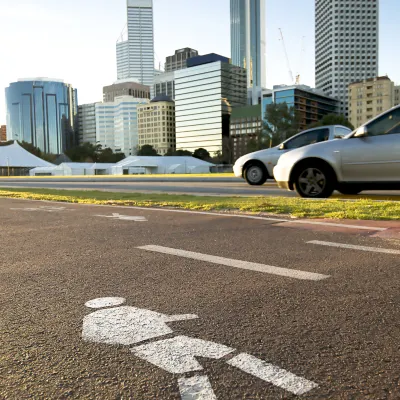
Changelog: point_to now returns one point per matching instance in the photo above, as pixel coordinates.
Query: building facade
(178, 60)
(396, 95)
(42, 112)
(246, 125)
(3, 133)
(248, 39)
(164, 84)
(156, 124)
(87, 123)
(311, 104)
(205, 94)
(117, 126)
(369, 98)
(346, 45)
(125, 88)
(135, 49)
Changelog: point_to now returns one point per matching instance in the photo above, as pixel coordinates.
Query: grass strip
(362, 209)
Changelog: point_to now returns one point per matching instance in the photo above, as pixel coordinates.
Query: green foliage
(147, 150)
(283, 123)
(87, 152)
(171, 153)
(202, 154)
(333, 119)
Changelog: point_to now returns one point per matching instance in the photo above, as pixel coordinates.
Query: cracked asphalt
(343, 333)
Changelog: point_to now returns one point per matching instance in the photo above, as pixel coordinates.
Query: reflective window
(387, 124)
(316, 136)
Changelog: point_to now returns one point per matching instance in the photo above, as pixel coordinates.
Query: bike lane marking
(268, 269)
(355, 247)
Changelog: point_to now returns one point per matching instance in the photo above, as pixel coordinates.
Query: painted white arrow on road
(124, 217)
(178, 355)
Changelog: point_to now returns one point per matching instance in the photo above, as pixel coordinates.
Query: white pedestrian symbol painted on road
(118, 324)
(124, 217)
(42, 208)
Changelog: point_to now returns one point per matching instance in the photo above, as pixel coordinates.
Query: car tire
(255, 174)
(315, 181)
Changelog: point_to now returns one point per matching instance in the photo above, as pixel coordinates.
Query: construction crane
(287, 58)
(302, 51)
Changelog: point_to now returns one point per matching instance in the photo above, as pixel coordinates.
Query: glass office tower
(42, 112)
(248, 39)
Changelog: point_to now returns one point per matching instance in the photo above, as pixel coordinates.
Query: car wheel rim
(254, 174)
(312, 182)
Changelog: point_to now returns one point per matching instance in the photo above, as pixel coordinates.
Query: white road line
(196, 388)
(367, 228)
(268, 269)
(354, 247)
(272, 374)
(226, 215)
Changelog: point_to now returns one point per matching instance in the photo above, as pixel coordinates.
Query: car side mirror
(361, 132)
(282, 147)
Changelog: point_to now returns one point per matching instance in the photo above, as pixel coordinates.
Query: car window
(339, 131)
(318, 135)
(387, 124)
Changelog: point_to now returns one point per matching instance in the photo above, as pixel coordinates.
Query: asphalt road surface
(195, 186)
(229, 307)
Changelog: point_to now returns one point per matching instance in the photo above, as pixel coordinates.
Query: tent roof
(156, 161)
(16, 156)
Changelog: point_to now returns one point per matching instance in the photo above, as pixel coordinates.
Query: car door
(374, 157)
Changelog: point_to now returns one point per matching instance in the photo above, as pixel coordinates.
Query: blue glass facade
(248, 39)
(43, 113)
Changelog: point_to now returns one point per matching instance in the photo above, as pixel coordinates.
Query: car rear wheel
(314, 181)
(255, 175)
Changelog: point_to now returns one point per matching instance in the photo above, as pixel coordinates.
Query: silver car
(257, 167)
(367, 159)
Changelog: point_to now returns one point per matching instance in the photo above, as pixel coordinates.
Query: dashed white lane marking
(272, 374)
(268, 269)
(355, 247)
(44, 208)
(178, 355)
(105, 302)
(124, 217)
(226, 215)
(196, 388)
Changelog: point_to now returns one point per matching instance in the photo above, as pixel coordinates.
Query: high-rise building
(3, 133)
(156, 122)
(164, 84)
(87, 123)
(42, 112)
(135, 48)
(369, 98)
(311, 104)
(116, 124)
(125, 88)
(396, 95)
(248, 39)
(205, 94)
(346, 45)
(178, 60)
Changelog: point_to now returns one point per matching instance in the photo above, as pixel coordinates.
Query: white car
(367, 159)
(257, 167)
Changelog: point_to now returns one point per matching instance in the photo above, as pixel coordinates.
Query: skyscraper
(135, 48)
(346, 45)
(248, 39)
(42, 112)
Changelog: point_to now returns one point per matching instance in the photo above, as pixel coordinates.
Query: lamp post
(8, 166)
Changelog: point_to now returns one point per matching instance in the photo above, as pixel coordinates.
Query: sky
(75, 40)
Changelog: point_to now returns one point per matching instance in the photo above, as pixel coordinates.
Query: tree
(85, 152)
(333, 119)
(202, 154)
(37, 152)
(180, 153)
(283, 123)
(147, 150)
